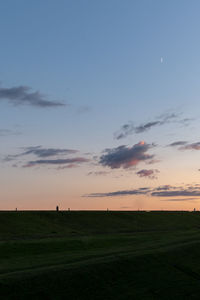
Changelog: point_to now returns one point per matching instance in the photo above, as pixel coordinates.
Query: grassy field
(99, 255)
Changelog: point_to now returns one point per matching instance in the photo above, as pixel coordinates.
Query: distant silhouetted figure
(16, 209)
(69, 209)
(57, 208)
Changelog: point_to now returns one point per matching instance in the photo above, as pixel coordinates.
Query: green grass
(37, 224)
(99, 255)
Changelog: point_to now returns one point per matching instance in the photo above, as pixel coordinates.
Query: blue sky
(111, 63)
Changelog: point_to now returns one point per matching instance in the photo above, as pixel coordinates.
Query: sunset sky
(100, 104)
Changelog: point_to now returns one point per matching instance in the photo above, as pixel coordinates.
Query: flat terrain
(99, 255)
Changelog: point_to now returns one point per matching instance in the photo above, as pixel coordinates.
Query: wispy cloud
(179, 191)
(22, 95)
(151, 174)
(41, 152)
(185, 192)
(126, 157)
(183, 145)
(46, 152)
(146, 126)
(47, 157)
(178, 143)
(193, 146)
(130, 128)
(69, 163)
(176, 193)
(166, 118)
(140, 191)
(180, 199)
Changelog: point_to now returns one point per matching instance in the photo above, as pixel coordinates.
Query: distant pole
(57, 208)
(16, 209)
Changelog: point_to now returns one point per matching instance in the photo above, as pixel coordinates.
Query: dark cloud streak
(161, 191)
(41, 152)
(22, 95)
(180, 199)
(71, 162)
(178, 143)
(47, 152)
(141, 191)
(185, 145)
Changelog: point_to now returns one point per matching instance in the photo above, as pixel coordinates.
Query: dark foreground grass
(33, 224)
(99, 255)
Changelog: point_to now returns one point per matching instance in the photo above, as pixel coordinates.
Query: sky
(99, 104)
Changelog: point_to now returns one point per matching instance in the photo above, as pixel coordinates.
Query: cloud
(187, 191)
(171, 191)
(130, 128)
(126, 157)
(148, 173)
(193, 146)
(185, 145)
(48, 156)
(186, 121)
(46, 152)
(140, 191)
(178, 143)
(69, 163)
(147, 126)
(176, 193)
(166, 118)
(165, 187)
(22, 95)
(180, 199)
(41, 152)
